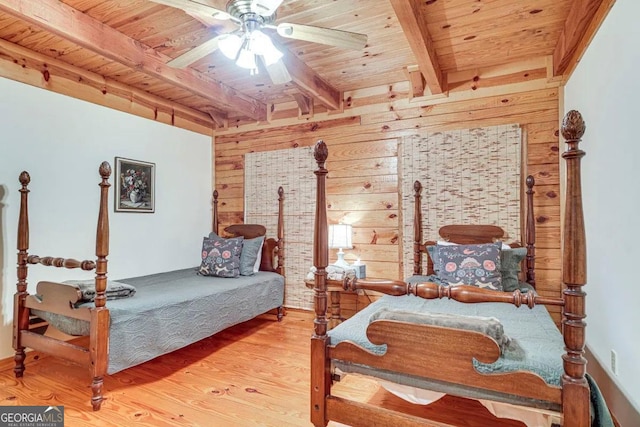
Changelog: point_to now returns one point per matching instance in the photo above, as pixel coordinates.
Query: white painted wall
(606, 90)
(61, 141)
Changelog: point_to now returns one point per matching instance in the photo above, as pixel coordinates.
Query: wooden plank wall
(363, 180)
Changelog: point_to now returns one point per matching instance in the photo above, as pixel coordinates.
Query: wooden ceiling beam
(75, 26)
(416, 80)
(309, 82)
(415, 30)
(583, 20)
(39, 70)
(305, 104)
(220, 119)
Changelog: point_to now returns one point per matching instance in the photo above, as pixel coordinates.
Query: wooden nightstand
(335, 289)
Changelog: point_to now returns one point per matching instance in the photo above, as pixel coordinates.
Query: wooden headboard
(272, 249)
(473, 234)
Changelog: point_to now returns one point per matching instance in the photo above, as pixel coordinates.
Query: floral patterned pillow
(221, 257)
(476, 265)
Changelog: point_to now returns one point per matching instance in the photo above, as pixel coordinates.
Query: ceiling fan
(249, 42)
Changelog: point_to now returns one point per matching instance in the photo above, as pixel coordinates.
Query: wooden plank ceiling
(129, 42)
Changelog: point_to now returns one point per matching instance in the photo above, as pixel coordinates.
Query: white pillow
(256, 266)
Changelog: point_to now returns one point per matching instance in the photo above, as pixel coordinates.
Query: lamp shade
(246, 59)
(340, 236)
(229, 45)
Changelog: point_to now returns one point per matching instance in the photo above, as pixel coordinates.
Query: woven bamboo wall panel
(468, 176)
(293, 170)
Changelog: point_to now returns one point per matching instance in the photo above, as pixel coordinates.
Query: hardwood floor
(253, 374)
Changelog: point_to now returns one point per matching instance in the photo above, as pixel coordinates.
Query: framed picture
(135, 186)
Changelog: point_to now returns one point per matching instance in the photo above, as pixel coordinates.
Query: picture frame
(135, 186)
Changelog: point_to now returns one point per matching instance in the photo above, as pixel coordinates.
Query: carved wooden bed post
(281, 255)
(99, 342)
(20, 312)
(417, 228)
(530, 233)
(320, 367)
(215, 223)
(575, 390)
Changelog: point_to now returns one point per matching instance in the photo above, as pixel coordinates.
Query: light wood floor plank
(254, 374)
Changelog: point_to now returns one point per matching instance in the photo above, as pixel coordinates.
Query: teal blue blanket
(532, 330)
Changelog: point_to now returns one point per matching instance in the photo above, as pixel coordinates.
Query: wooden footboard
(57, 298)
(60, 298)
(459, 346)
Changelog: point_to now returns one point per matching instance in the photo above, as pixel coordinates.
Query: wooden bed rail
(461, 293)
(69, 263)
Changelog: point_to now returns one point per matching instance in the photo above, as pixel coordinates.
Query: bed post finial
(575, 393)
(417, 228)
(320, 152)
(530, 234)
(573, 128)
(216, 223)
(320, 370)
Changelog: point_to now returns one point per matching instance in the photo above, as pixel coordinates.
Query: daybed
(396, 340)
(168, 311)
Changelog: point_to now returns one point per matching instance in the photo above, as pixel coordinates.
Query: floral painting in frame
(134, 186)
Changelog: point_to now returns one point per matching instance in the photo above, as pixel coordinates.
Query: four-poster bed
(462, 362)
(169, 310)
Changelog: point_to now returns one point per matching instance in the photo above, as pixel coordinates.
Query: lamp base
(341, 262)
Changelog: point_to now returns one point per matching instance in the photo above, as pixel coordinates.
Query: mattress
(174, 309)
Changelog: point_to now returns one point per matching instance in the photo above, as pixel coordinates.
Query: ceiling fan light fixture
(229, 45)
(271, 56)
(247, 59)
(262, 45)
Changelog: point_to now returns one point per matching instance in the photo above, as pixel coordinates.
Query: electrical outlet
(614, 362)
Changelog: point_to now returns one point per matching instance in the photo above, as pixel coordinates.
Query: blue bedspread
(174, 309)
(533, 330)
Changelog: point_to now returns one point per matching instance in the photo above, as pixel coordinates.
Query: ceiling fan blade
(328, 36)
(194, 7)
(278, 72)
(265, 7)
(194, 54)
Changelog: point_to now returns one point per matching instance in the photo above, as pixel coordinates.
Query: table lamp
(340, 238)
